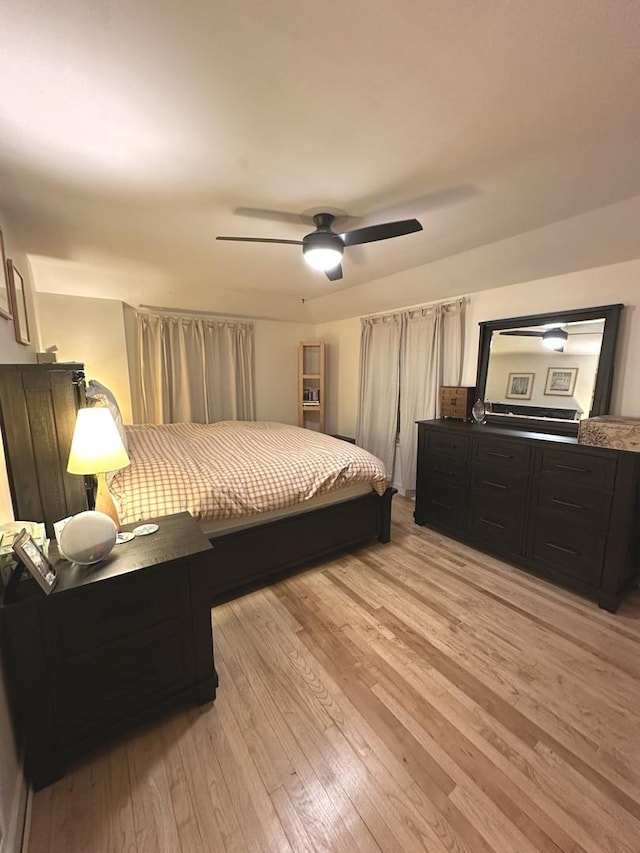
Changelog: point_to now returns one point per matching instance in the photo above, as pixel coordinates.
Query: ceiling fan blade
(270, 215)
(523, 333)
(380, 232)
(260, 240)
(334, 274)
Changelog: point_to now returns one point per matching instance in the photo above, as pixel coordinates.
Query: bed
(266, 494)
(248, 546)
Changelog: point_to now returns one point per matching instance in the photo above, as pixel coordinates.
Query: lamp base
(104, 501)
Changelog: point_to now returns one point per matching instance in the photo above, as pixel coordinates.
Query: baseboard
(16, 841)
(406, 493)
(27, 821)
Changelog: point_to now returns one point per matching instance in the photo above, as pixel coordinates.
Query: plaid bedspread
(234, 468)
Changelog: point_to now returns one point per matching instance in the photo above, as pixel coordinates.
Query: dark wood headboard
(38, 405)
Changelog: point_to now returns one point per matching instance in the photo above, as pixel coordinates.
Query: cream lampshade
(96, 447)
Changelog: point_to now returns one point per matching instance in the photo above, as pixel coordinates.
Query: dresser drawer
(91, 617)
(442, 504)
(570, 550)
(448, 443)
(497, 522)
(583, 469)
(104, 685)
(449, 468)
(499, 483)
(572, 505)
(502, 455)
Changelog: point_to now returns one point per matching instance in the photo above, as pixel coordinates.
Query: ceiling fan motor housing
(323, 242)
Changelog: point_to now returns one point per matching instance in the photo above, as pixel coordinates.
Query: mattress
(235, 469)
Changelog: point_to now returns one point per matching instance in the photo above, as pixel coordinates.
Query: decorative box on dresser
(113, 645)
(564, 510)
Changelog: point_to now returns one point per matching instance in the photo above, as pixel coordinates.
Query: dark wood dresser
(545, 503)
(114, 644)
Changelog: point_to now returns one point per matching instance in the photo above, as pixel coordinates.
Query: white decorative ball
(88, 537)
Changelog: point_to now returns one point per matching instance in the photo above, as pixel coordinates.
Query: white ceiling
(133, 131)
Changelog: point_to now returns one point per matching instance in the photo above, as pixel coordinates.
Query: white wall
(276, 352)
(276, 342)
(583, 289)
(12, 785)
(90, 331)
(93, 331)
(342, 340)
(502, 365)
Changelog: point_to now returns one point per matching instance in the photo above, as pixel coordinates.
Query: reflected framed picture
(5, 304)
(18, 302)
(520, 386)
(561, 381)
(33, 559)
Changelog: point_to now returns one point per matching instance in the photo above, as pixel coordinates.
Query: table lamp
(96, 447)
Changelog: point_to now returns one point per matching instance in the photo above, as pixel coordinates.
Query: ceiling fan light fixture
(322, 250)
(555, 339)
(323, 259)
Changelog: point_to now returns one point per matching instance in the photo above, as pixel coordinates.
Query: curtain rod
(390, 311)
(162, 310)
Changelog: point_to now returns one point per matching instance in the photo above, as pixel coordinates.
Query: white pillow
(99, 395)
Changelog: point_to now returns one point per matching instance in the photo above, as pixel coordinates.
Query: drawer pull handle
(440, 504)
(491, 523)
(572, 468)
(499, 455)
(567, 503)
(495, 485)
(563, 549)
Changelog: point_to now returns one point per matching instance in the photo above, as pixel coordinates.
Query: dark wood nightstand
(114, 644)
(344, 438)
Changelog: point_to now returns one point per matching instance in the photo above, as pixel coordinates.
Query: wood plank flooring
(406, 697)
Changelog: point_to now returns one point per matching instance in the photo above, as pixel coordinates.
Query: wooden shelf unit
(311, 376)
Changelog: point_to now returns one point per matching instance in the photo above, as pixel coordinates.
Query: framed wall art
(520, 386)
(5, 303)
(33, 558)
(18, 303)
(561, 381)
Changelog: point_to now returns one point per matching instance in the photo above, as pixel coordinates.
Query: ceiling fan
(323, 248)
(554, 338)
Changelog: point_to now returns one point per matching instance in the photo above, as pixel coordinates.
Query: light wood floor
(414, 696)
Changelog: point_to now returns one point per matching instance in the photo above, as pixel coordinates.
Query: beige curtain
(193, 369)
(404, 359)
(430, 356)
(379, 387)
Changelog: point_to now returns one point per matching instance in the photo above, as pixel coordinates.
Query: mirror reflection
(546, 371)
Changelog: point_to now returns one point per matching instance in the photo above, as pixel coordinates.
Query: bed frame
(262, 551)
(37, 412)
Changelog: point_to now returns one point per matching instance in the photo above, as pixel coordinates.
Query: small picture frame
(561, 381)
(18, 301)
(5, 303)
(520, 386)
(32, 557)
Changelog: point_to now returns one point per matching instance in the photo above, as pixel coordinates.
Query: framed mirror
(545, 372)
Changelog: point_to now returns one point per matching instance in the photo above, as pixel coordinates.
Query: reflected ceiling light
(555, 339)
